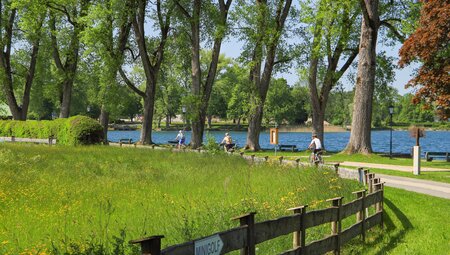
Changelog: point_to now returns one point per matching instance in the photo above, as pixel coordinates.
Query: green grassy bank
(92, 200)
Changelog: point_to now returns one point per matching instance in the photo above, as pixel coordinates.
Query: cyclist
(316, 145)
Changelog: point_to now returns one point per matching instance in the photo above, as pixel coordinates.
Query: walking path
(393, 167)
(437, 189)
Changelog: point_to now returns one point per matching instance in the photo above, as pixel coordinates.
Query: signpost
(209, 246)
(274, 138)
(416, 132)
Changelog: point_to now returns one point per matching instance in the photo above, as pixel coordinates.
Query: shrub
(77, 130)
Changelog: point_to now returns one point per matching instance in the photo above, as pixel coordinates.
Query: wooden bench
(286, 147)
(431, 155)
(126, 141)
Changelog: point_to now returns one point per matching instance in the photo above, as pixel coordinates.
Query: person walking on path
(181, 138)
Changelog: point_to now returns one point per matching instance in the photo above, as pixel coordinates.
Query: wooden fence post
(336, 225)
(253, 158)
(298, 162)
(299, 237)
(281, 159)
(379, 205)
(13, 139)
(360, 216)
(50, 140)
(249, 221)
(149, 245)
(266, 158)
(336, 168)
(370, 177)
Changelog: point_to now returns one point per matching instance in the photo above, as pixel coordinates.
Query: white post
(416, 160)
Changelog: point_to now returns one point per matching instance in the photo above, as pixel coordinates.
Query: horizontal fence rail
(248, 234)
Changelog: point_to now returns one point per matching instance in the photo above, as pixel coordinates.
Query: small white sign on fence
(209, 246)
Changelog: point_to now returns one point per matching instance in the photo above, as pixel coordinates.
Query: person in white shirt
(181, 138)
(315, 144)
(227, 142)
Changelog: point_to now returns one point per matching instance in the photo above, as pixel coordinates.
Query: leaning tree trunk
(360, 141)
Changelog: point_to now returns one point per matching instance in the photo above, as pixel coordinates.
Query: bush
(77, 130)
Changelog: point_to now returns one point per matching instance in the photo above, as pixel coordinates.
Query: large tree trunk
(360, 141)
(66, 98)
(147, 122)
(254, 128)
(104, 121)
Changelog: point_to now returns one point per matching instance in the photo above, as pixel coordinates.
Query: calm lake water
(401, 141)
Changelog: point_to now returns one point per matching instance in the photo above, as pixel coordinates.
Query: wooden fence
(248, 234)
(13, 139)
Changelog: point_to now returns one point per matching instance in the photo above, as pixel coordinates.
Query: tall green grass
(92, 200)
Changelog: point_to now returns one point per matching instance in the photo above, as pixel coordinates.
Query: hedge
(77, 130)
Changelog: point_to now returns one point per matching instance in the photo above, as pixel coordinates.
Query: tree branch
(129, 83)
(397, 34)
(182, 9)
(54, 43)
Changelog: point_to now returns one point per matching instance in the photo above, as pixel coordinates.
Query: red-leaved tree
(430, 45)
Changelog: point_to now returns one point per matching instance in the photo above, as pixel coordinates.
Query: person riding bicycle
(315, 144)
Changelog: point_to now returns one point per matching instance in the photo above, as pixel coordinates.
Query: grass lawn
(93, 200)
(341, 157)
(414, 224)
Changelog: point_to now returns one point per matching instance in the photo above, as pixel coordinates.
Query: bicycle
(316, 158)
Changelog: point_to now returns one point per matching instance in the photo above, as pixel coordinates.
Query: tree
(107, 28)
(236, 80)
(334, 39)
(264, 25)
(429, 44)
(68, 15)
(372, 10)
(151, 53)
(201, 89)
(279, 102)
(20, 28)
(360, 140)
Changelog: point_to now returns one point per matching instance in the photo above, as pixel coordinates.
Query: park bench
(431, 155)
(290, 147)
(126, 141)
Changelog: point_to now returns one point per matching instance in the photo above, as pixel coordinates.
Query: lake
(401, 140)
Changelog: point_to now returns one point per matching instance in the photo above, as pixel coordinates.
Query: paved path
(437, 189)
(393, 167)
